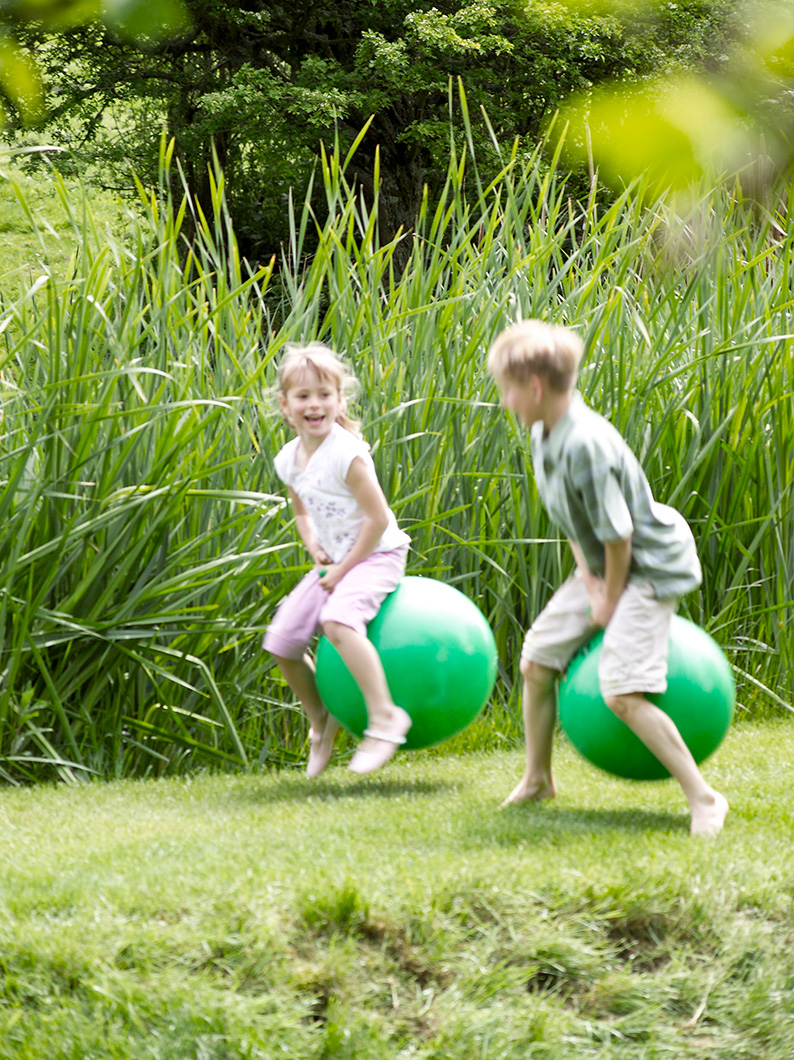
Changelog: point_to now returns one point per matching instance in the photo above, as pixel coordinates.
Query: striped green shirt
(593, 486)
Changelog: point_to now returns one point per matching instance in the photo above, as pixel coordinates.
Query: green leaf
(53, 14)
(672, 134)
(20, 80)
(774, 45)
(145, 20)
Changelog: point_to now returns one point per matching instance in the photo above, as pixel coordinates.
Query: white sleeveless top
(326, 495)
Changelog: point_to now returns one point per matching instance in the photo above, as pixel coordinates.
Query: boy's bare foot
(531, 788)
(322, 747)
(708, 818)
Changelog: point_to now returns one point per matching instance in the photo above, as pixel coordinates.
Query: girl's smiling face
(311, 405)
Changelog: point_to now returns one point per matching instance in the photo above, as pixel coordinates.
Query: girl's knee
(335, 632)
(284, 662)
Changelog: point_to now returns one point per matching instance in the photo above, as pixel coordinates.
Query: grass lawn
(402, 915)
(40, 228)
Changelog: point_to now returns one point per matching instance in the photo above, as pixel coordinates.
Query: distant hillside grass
(37, 229)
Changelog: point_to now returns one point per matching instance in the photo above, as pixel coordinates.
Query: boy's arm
(592, 581)
(305, 526)
(617, 563)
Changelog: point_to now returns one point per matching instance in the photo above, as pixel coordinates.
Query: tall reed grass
(145, 539)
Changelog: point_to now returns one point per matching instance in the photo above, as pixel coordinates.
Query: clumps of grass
(37, 232)
(353, 958)
(337, 910)
(618, 964)
(370, 921)
(178, 992)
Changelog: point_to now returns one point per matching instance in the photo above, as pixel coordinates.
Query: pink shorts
(354, 602)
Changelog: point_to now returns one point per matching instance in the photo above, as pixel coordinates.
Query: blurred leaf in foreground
(52, 14)
(677, 129)
(673, 133)
(145, 23)
(20, 80)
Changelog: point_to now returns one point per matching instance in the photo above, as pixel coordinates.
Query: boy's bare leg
(540, 716)
(384, 717)
(299, 675)
(658, 732)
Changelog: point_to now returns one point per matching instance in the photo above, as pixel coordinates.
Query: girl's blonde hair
(328, 367)
(533, 347)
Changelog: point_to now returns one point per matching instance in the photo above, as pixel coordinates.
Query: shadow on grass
(298, 789)
(516, 824)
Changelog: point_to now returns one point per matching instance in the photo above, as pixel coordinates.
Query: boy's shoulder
(580, 413)
(587, 442)
(583, 429)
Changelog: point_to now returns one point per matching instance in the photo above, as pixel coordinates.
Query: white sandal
(378, 747)
(321, 747)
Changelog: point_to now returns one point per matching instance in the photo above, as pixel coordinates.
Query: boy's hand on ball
(601, 608)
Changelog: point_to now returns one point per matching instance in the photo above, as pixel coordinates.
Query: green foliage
(400, 916)
(262, 87)
(144, 538)
(126, 498)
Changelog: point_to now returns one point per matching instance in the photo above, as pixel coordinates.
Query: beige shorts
(634, 651)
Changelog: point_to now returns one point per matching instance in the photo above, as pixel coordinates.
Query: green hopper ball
(700, 697)
(439, 657)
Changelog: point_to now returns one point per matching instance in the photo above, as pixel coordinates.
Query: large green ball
(439, 657)
(699, 698)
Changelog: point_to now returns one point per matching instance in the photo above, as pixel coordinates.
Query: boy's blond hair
(533, 347)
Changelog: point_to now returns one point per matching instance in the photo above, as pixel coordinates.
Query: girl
(359, 555)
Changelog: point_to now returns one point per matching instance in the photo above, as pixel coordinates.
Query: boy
(634, 560)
